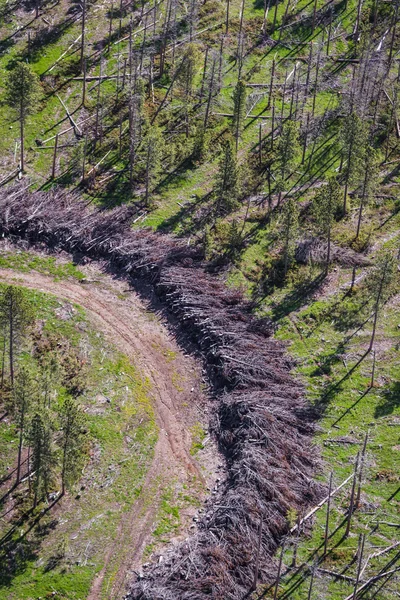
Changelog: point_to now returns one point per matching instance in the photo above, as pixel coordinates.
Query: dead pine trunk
(83, 25)
(227, 17)
(314, 15)
(96, 127)
(20, 443)
(210, 94)
(257, 560)
(361, 544)
(305, 139)
(240, 41)
(278, 577)
(311, 584)
(360, 473)
(203, 79)
(21, 126)
(84, 83)
(53, 167)
(316, 83)
(271, 85)
(351, 504)
(272, 124)
(329, 32)
(84, 160)
(3, 361)
(275, 16)
(328, 512)
(110, 27)
(346, 184)
(266, 11)
(11, 343)
(284, 18)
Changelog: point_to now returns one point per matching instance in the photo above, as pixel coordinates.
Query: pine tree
(22, 94)
(227, 184)
(24, 393)
(325, 208)
(239, 110)
(290, 225)
(43, 457)
(368, 184)
(381, 283)
(288, 149)
(15, 316)
(72, 442)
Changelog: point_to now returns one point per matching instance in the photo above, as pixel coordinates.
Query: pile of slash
(262, 421)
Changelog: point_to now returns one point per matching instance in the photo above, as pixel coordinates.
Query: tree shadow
(390, 400)
(16, 553)
(297, 297)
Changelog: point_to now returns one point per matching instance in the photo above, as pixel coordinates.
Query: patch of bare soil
(178, 401)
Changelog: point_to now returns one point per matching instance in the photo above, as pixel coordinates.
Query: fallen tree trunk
(262, 421)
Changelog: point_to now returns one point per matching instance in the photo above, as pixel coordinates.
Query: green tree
(239, 110)
(23, 92)
(325, 207)
(290, 226)
(353, 137)
(72, 442)
(227, 183)
(43, 461)
(15, 317)
(369, 182)
(24, 393)
(287, 151)
(381, 283)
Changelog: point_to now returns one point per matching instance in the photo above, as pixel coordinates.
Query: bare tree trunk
(360, 557)
(210, 93)
(227, 17)
(53, 168)
(271, 85)
(278, 577)
(351, 506)
(83, 33)
(21, 124)
(328, 512)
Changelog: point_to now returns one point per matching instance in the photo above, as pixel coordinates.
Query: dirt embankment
(120, 315)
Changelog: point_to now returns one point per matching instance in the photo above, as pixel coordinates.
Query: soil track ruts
(146, 342)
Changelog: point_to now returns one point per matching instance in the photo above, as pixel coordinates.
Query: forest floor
(181, 466)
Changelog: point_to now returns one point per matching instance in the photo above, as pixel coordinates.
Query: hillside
(238, 163)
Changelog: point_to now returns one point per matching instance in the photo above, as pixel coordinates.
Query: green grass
(317, 339)
(48, 265)
(123, 434)
(198, 436)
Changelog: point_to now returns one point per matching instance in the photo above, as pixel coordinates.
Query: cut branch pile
(262, 421)
(314, 250)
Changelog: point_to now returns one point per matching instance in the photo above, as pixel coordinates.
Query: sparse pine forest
(237, 163)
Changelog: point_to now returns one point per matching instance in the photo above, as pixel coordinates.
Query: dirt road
(121, 316)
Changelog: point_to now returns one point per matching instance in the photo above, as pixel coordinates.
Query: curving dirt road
(142, 337)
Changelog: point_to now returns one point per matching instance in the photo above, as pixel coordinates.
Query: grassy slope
(123, 434)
